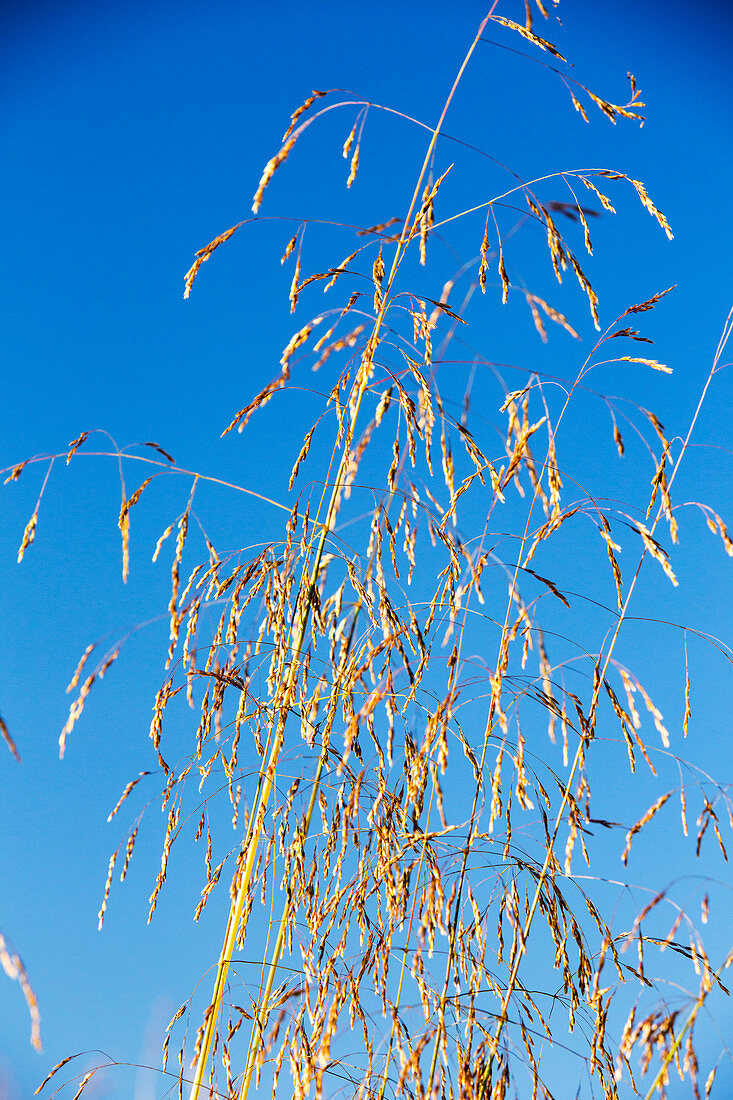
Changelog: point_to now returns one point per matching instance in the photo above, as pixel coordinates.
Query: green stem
(685, 1028)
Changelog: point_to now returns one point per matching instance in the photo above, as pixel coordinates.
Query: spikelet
(529, 35)
(426, 224)
(295, 289)
(127, 791)
(650, 813)
(650, 303)
(651, 208)
(578, 105)
(425, 211)
(504, 277)
(75, 445)
(56, 1068)
(84, 1082)
(28, 535)
(354, 168)
(350, 140)
(76, 708)
(484, 265)
(132, 501)
(305, 106)
(605, 201)
(129, 848)
(615, 568)
(654, 548)
(653, 363)
(589, 291)
(301, 457)
(270, 168)
(533, 300)
(204, 254)
(107, 885)
(296, 341)
(5, 733)
(377, 277)
(16, 472)
(77, 672)
(612, 111)
(289, 248)
(347, 341)
(16, 971)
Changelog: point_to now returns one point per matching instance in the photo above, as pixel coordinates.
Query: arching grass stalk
(256, 820)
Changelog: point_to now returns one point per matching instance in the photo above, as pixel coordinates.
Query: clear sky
(133, 134)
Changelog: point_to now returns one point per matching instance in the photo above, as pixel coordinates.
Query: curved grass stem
(256, 820)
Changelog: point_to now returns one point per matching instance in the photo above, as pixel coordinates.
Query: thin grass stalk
(263, 1008)
(360, 386)
(266, 778)
(388, 1056)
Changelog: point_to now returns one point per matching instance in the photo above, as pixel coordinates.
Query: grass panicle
(399, 729)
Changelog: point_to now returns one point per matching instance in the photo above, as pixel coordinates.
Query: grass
(399, 695)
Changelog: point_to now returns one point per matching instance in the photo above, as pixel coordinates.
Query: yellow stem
(383, 1086)
(267, 781)
(260, 1022)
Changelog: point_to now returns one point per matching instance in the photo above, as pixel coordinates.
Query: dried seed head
(5, 733)
(270, 168)
(203, 255)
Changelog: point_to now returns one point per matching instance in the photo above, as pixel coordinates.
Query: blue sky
(133, 135)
